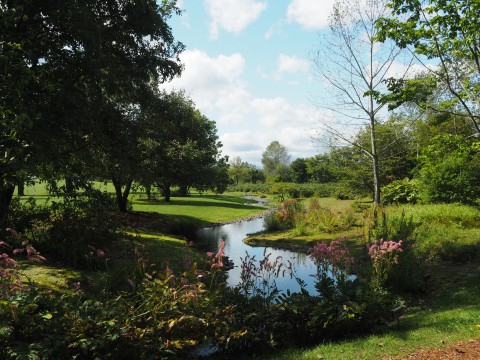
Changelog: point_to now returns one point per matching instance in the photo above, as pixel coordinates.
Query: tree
(180, 146)
(442, 30)
(319, 168)
(275, 159)
(298, 169)
(450, 170)
(355, 65)
(239, 170)
(64, 62)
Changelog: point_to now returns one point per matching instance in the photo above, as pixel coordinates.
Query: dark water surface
(208, 239)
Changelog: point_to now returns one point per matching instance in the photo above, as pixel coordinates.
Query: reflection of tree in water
(301, 259)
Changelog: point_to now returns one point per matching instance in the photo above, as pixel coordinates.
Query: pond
(208, 239)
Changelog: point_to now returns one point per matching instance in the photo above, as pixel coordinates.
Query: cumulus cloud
(211, 81)
(291, 64)
(217, 87)
(311, 15)
(232, 15)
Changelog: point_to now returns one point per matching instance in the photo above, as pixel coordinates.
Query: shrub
(77, 230)
(384, 255)
(400, 192)
(326, 220)
(272, 222)
(290, 213)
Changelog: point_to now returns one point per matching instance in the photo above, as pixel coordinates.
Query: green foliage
(301, 190)
(400, 192)
(272, 222)
(298, 170)
(442, 30)
(407, 274)
(322, 219)
(282, 190)
(77, 230)
(359, 207)
(291, 212)
(449, 170)
(275, 160)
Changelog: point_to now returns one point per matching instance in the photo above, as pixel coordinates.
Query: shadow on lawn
(222, 201)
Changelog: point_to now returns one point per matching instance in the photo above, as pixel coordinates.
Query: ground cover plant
(156, 296)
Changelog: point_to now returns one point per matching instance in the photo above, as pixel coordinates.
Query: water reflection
(208, 239)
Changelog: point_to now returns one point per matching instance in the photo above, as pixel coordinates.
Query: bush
(400, 192)
(272, 222)
(77, 230)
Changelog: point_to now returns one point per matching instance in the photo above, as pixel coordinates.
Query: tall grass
(442, 231)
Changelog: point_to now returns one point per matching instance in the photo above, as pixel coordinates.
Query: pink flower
(14, 233)
(100, 253)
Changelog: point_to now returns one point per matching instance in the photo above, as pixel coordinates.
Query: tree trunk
(69, 186)
(148, 191)
(122, 197)
(375, 162)
(183, 190)
(166, 192)
(6, 195)
(21, 188)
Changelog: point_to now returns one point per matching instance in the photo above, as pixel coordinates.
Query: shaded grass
(159, 229)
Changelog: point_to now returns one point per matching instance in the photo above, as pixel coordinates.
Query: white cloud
(217, 87)
(211, 81)
(232, 15)
(291, 64)
(310, 14)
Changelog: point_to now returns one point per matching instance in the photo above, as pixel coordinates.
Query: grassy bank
(446, 240)
(158, 228)
(449, 313)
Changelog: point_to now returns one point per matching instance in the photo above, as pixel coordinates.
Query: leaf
(47, 316)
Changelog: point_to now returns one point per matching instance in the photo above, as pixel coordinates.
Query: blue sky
(247, 67)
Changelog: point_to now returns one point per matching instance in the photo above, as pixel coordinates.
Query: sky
(247, 67)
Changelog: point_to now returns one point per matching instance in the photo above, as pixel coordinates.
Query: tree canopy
(66, 67)
(275, 159)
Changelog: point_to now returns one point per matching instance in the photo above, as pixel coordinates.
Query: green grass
(290, 240)
(443, 231)
(206, 208)
(149, 227)
(199, 209)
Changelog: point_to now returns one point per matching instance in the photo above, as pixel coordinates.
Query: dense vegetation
(109, 273)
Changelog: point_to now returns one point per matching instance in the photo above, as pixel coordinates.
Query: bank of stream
(208, 239)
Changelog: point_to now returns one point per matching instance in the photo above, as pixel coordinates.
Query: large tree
(62, 64)
(354, 65)
(179, 146)
(444, 35)
(275, 160)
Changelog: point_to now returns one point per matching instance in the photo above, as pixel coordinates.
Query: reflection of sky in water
(235, 248)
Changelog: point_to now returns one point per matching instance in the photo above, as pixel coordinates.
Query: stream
(208, 239)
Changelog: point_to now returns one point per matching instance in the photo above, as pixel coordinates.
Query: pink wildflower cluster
(334, 257)
(381, 249)
(10, 280)
(384, 254)
(216, 260)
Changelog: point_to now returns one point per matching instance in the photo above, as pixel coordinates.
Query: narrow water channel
(208, 239)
